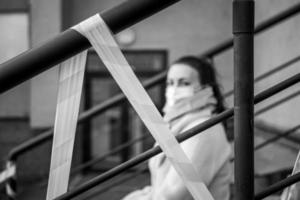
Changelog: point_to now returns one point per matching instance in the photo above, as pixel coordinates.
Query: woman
(192, 97)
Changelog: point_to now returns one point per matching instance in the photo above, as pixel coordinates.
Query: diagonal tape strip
(10, 185)
(100, 37)
(10, 171)
(68, 101)
(293, 192)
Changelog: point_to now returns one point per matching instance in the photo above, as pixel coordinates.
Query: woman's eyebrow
(183, 79)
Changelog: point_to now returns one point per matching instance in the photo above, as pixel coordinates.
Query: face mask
(175, 94)
(189, 99)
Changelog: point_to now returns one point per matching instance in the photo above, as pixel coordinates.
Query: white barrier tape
(96, 31)
(9, 176)
(68, 101)
(9, 172)
(293, 192)
(9, 191)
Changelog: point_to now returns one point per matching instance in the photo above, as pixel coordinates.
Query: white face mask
(182, 82)
(181, 100)
(175, 94)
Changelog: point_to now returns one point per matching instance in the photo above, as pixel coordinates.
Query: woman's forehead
(179, 70)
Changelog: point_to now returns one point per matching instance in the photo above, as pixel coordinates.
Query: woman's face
(182, 75)
(182, 83)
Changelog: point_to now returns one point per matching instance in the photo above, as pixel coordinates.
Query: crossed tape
(99, 35)
(8, 176)
(9, 172)
(71, 78)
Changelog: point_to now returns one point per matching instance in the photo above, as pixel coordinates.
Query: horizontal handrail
(278, 186)
(274, 139)
(277, 103)
(150, 83)
(114, 183)
(70, 42)
(259, 28)
(29, 144)
(274, 131)
(277, 137)
(185, 135)
(273, 105)
(269, 73)
(112, 152)
(94, 161)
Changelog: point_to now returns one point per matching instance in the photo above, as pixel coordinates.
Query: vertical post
(243, 29)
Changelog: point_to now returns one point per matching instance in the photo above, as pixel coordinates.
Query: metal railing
(277, 137)
(128, 177)
(125, 145)
(70, 42)
(138, 172)
(86, 115)
(185, 135)
(116, 182)
(118, 149)
(293, 141)
(39, 140)
(41, 58)
(278, 186)
(270, 72)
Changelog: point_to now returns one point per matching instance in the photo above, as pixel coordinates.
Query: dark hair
(207, 76)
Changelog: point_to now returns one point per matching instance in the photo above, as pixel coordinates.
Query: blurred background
(188, 27)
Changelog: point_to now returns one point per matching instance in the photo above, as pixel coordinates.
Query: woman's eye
(186, 83)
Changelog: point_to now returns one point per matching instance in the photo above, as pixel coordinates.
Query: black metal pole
(290, 12)
(243, 30)
(277, 137)
(269, 73)
(275, 132)
(277, 103)
(278, 186)
(113, 183)
(39, 59)
(112, 152)
(70, 42)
